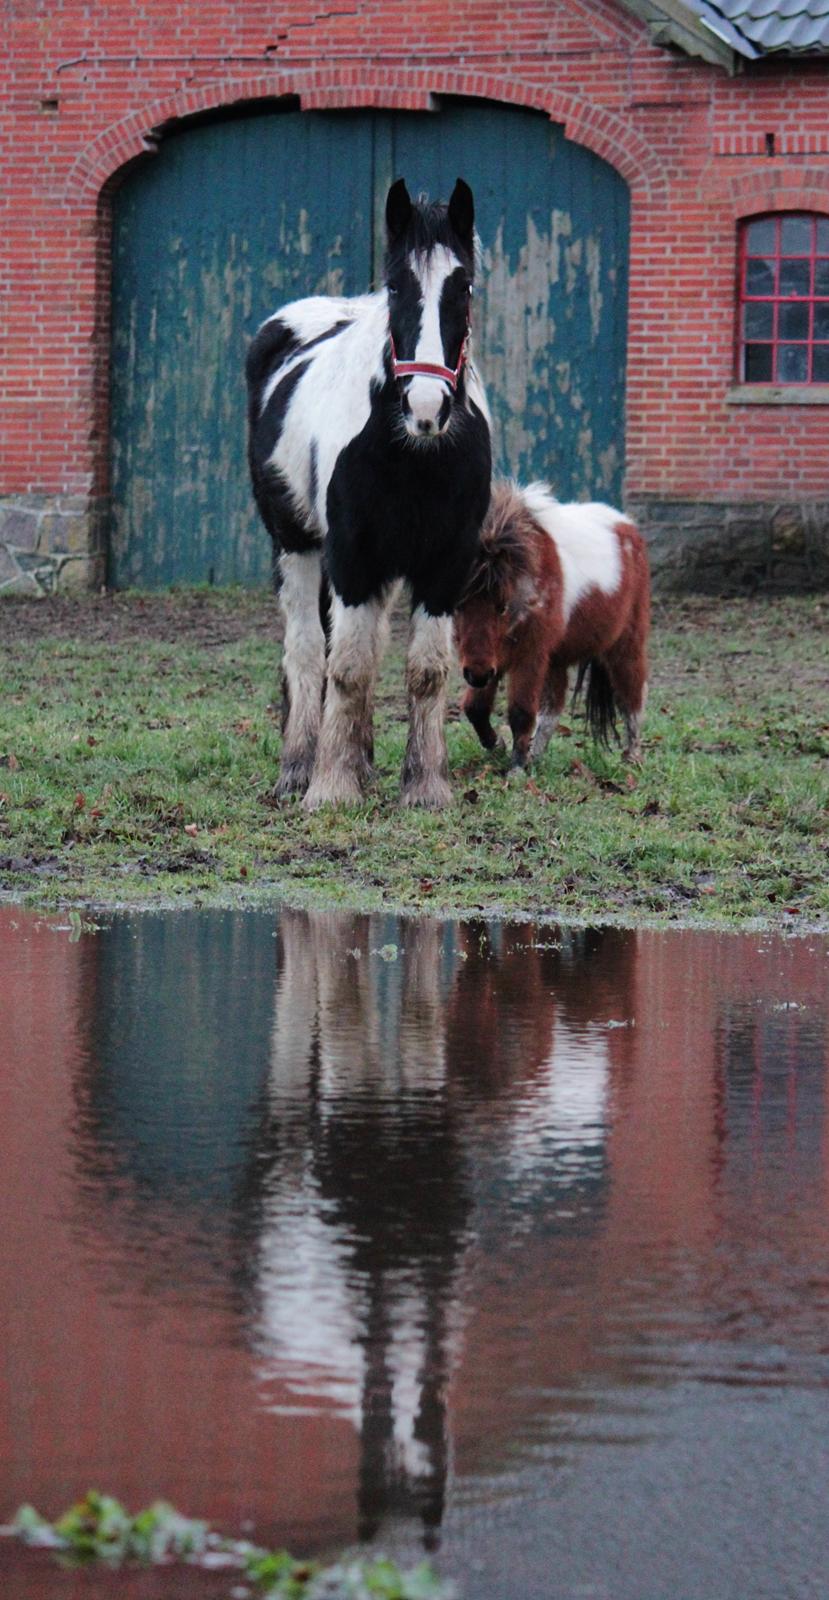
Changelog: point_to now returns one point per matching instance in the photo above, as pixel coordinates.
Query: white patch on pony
(585, 538)
(426, 395)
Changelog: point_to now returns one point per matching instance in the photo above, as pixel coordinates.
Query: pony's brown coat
(511, 622)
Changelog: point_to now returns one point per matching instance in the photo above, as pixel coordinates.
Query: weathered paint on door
(230, 220)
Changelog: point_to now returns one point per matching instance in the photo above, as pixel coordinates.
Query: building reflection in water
(333, 1219)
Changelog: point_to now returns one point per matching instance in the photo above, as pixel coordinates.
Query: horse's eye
(392, 288)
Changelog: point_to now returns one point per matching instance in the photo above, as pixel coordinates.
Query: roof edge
(695, 28)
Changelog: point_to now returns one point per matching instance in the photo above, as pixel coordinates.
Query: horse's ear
(462, 212)
(398, 210)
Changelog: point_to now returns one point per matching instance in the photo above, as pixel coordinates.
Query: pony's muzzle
(478, 680)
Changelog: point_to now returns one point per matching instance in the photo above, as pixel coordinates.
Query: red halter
(425, 369)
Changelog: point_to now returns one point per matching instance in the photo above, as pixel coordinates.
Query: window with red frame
(784, 299)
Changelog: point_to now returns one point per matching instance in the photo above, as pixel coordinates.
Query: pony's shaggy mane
(508, 549)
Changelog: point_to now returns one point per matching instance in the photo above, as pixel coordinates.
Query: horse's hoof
(431, 794)
(333, 792)
(293, 781)
(499, 748)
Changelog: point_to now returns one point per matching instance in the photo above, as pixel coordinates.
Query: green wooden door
(232, 219)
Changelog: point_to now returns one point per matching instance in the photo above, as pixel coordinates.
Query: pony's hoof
(431, 794)
(499, 749)
(633, 756)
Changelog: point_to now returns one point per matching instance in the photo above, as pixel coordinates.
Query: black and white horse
(370, 456)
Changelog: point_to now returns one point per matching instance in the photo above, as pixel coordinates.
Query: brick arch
(803, 189)
(361, 87)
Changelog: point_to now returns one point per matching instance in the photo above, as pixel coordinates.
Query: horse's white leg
(426, 768)
(344, 750)
(303, 666)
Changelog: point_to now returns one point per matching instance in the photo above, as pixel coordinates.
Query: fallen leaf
(79, 801)
(192, 828)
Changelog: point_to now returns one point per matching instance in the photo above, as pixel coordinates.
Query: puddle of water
(502, 1240)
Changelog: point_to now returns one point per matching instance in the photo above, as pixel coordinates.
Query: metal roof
(757, 28)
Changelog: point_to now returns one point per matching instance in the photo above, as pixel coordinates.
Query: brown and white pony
(555, 586)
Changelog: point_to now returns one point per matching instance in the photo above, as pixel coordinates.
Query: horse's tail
(599, 700)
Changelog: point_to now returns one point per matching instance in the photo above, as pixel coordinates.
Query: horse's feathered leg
(426, 766)
(344, 753)
(303, 666)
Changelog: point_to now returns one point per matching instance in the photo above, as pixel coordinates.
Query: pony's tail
(599, 700)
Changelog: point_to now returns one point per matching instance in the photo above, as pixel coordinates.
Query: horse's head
(501, 590)
(430, 264)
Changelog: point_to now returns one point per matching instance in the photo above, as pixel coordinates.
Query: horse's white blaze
(426, 395)
(585, 538)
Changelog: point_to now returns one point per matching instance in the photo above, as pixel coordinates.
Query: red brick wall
(88, 81)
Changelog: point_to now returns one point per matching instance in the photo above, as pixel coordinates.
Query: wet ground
(504, 1241)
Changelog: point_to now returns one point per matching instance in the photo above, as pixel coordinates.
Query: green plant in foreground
(99, 1529)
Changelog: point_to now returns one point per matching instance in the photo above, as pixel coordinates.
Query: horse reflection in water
(366, 1193)
(377, 1068)
(346, 1169)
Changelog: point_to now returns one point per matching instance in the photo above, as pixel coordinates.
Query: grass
(139, 744)
(98, 1529)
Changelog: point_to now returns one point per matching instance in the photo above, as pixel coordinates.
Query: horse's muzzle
(478, 680)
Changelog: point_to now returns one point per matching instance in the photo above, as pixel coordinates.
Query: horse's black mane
(428, 226)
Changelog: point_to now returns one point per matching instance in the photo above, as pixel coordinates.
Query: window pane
(823, 235)
(821, 320)
(758, 321)
(760, 276)
(794, 277)
(760, 236)
(758, 363)
(796, 236)
(794, 321)
(822, 277)
(792, 363)
(820, 364)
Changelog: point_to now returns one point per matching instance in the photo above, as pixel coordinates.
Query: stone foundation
(56, 542)
(706, 547)
(49, 543)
